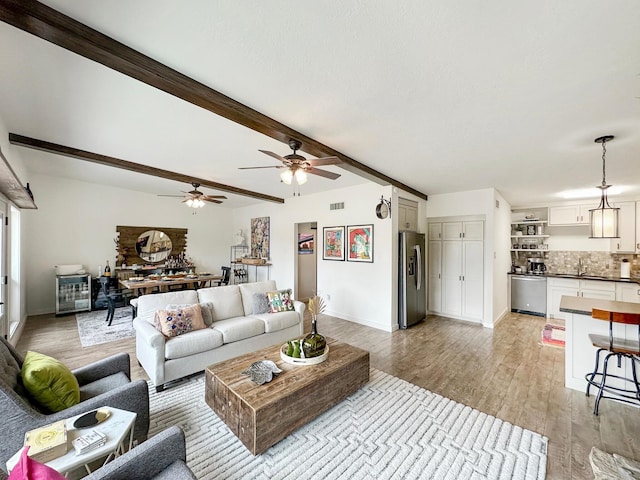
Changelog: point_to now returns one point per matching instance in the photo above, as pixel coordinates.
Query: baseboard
(502, 316)
(351, 318)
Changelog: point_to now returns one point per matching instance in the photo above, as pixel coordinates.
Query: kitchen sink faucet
(581, 270)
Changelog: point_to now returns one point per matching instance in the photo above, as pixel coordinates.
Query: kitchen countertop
(603, 278)
(584, 305)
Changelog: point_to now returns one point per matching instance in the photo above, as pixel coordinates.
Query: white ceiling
(443, 96)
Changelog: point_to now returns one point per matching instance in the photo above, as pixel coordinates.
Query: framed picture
(360, 243)
(333, 247)
(305, 244)
(260, 237)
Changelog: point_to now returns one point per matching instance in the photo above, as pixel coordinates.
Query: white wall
(76, 223)
(475, 202)
(365, 293)
(501, 256)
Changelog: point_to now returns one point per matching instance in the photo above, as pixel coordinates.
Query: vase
(314, 343)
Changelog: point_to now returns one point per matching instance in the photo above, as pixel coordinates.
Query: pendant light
(604, 219)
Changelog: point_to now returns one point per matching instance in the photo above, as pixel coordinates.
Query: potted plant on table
(314, 344)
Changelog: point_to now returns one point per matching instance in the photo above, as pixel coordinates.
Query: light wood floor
(504, 372)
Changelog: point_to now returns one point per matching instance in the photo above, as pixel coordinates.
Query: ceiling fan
(195, 198)
(296, 166)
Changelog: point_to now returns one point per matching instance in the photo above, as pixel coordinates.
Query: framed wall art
(260, 237)
(333, 245)
(305, 244)
(360, 243)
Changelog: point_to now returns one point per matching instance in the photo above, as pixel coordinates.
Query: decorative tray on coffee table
(303, 361)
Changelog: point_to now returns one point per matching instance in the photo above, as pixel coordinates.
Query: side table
(119, 431)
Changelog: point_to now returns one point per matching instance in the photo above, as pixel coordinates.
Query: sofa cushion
(9, 369)
(226, 301)
(248, 289)
(103, 385)
(280, 301)
(50, 382)
(239, 328)
(148, 304)
(192, 343)
(178, 322)
(278, 321)
(205, 308)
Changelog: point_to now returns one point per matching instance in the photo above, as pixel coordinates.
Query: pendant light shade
(603, 220)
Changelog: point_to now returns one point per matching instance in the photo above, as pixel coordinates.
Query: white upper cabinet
(626, 229)
(570, 214)
(407, 215)
(435, 231)
(463, 230)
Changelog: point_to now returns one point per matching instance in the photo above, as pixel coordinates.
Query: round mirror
(153, 246)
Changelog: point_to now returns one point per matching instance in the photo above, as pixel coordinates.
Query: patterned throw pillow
(260, 303)
(280, 301)
(176, 322)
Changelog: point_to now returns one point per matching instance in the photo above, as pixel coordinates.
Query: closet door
(435, 276)
(452, 277)
(473, 279)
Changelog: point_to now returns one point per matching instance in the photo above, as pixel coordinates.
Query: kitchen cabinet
(407, 215)
(570, 214)
(456, 270)
(628, 292)
(557, 287)
(473, 230)
(626, 228)
(435, 231)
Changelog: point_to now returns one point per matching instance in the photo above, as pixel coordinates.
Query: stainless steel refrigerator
(412, 303)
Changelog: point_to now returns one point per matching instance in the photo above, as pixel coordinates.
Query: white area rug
(389, 429)
(94, 330)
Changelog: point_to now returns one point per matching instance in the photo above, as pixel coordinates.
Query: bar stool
(619, 348)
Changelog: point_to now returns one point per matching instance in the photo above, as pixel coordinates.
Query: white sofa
(235, 330)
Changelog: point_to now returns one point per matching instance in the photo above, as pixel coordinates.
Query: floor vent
(336, 206)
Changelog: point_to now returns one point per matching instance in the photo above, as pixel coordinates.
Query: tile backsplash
(593, 263)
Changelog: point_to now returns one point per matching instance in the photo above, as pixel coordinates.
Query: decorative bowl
(303, 361)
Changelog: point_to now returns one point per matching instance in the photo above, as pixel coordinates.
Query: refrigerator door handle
(419, 275)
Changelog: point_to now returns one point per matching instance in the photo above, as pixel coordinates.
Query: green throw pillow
(50, 383)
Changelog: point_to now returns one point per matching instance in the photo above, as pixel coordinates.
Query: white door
(435, 276)
(435, 231)
(473, 279)
(452, 277)
(554, 295)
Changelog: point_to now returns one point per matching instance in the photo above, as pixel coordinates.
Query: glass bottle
(107, 269)
(314, 343)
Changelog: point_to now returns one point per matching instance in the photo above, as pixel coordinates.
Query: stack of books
(47, 443)
(89, 441)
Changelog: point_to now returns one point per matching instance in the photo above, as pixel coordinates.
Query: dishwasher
(529, 295)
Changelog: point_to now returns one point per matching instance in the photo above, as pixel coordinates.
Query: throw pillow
(177, 322)
(280, 301)
(260, 303)
(205, 308)
(50, 383)
(28, 468)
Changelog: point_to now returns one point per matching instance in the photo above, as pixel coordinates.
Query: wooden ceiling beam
(51, 25)
(49, 147)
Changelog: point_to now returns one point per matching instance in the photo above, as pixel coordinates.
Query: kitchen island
(580, 354)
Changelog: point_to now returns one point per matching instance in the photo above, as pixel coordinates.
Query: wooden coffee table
(262, 415)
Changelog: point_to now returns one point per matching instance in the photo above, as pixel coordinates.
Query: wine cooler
(73, 293)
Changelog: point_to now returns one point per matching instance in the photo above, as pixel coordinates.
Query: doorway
(306, 260)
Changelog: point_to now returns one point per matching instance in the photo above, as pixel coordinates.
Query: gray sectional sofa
(233, 329)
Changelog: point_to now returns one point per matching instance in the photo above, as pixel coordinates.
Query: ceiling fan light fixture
(603, 220)
(287, 176)
(301, 177)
